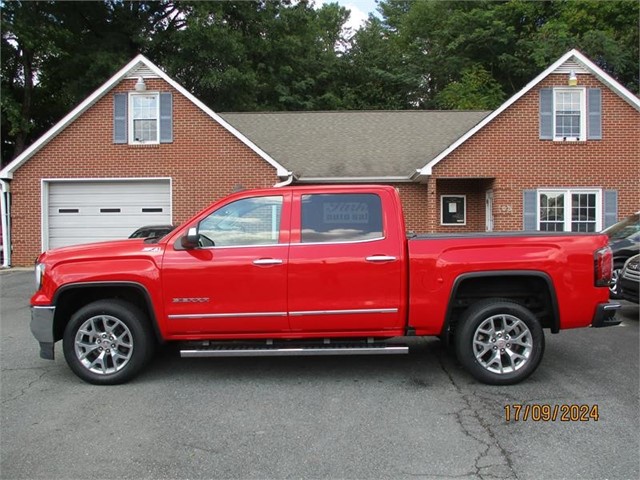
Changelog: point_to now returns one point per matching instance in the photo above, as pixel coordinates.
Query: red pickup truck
(317, 270)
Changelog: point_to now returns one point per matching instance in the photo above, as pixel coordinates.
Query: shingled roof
(354, 144)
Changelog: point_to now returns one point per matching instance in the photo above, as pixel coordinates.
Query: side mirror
(190, 240)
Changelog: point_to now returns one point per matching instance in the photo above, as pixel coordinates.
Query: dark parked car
(630, 279)
(624, 240)
(152, 231)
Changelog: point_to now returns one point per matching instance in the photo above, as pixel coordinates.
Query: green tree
(257, 55)
(477, 90)
(375, 74)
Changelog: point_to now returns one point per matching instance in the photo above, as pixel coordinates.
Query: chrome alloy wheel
(614, 286)
(502, 344)
(103, 344)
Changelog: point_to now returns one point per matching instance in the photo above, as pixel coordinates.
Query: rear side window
(342, 217)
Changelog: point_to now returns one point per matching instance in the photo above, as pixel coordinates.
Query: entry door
(346, 269)
(236, 281)
(489, 210)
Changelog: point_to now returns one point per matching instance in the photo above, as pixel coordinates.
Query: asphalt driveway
(414, 416)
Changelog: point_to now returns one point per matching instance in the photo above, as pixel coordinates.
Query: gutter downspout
(4, 220)
(286, 182)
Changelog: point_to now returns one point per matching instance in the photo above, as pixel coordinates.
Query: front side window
(342, 217)
(144, 117)
(250, 221)
(569, 210)
(569, 114)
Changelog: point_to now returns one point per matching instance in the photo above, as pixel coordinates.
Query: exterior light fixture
(573, 79)
(140, 85)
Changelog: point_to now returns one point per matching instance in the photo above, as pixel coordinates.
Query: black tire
(114, 345)
(499, 342)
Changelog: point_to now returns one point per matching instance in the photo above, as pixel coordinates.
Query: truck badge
(191, 300)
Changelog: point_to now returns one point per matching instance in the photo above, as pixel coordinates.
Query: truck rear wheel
(499, 342)
(107, 342)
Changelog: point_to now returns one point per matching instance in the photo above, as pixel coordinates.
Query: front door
(235, 282)
(489, 210)
(346, 267)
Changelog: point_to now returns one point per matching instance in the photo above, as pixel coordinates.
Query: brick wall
(509, 149)
(205, 162)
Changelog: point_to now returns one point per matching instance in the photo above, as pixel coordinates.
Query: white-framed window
(453, 210)
(570, 210)
(144, 117)
(569, 114)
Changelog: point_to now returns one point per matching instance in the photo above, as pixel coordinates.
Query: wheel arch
(528, 287)
(70, 298)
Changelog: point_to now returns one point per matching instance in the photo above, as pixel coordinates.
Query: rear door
(346, 263)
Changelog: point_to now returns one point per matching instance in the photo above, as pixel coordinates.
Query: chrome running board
(298, 350)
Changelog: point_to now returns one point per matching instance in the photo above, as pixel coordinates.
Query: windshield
(625, 228)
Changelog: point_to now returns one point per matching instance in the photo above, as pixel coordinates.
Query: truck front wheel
(107, 342)
(499, 342)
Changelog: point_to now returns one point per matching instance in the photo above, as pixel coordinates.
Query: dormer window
(144, 124)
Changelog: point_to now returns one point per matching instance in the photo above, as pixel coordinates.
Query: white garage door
(94, 211)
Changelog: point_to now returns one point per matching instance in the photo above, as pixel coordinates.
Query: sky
(360, 10)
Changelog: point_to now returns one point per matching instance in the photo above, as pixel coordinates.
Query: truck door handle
(268, 261)
(380, 258)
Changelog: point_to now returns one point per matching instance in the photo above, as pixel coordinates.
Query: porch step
(284, 350)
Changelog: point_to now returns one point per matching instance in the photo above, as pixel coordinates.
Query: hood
(134, 247)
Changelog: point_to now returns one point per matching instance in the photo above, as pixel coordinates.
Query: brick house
(560, 155)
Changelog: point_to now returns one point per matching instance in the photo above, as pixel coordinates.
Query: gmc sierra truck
(317, 270)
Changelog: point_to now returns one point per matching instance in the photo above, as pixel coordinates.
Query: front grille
(633, 275)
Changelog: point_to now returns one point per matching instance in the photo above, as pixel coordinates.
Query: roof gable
(572, 60)
(140, 66)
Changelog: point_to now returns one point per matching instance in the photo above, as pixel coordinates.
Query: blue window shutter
(166, 118)
(529, 210)
(120, 118)
(546, 114)
(610, 207)
(594, 107)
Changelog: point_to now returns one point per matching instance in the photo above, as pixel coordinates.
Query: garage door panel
(106, 211)
(85, 212)
(104, 221)
(85, 235)
(139, 199)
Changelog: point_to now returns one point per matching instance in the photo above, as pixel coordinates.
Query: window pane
(250, 221)
(583, 212)
(551, 226)
(552, 212)
(144, 116)
(568, 114)
(144, 106)
(145, 130)
(341, 217)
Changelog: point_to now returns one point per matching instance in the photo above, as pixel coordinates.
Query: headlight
(39, 275)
